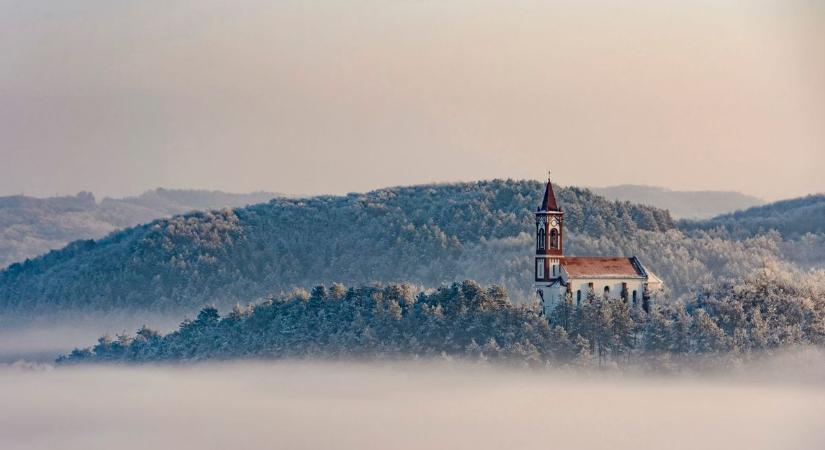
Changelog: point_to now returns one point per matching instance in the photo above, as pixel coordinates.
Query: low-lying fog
(444, 405)
(54, 336)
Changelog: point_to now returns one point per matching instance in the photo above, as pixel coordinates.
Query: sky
(309, 97)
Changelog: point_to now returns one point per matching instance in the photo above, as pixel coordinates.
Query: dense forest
(800, 223)
(424, 235)
(32, 226)
(728, 322)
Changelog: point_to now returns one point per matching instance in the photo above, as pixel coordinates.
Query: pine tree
(623, 327)
(758, 330)
(709, 337)
(561, 346)
(562, 314)
(658, 332)
(681, 331)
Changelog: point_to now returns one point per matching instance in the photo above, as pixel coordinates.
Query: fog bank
(400, 406)
(49, 337)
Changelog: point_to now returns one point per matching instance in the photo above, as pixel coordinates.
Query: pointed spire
(549, 202)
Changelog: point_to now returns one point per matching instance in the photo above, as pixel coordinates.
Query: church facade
(575, 278)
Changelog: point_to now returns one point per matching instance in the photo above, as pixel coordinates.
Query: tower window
(540, 238)
(579, 297)
(554, 238)
(634, 297)
(606, 290)
(539, 268)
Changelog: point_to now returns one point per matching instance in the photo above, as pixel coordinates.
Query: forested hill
(728, 324)
(792, 218)
(423, 234)
(32, 226)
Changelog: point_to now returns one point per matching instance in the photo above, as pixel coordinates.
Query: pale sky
(308, 97)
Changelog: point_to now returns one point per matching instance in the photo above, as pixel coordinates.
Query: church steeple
(549, 202)
(549, 236)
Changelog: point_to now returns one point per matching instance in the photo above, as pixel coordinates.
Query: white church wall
(614, 284)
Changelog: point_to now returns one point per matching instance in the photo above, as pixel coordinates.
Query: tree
(207, 316)
(681, 332)
(658, 332)
(708, 336)
(562, 314)
(623, 327)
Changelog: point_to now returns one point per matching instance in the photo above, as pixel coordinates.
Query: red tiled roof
(595, 267)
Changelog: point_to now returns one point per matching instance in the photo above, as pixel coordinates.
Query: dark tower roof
(549, 201)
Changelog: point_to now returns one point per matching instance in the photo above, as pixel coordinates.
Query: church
(575, 278)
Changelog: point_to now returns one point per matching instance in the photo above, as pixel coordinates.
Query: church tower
(549, 247)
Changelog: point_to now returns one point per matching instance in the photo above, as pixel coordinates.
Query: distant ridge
(681, 204)
(792, 218)
(31, 226)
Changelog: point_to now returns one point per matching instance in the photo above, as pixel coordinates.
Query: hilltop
(32, 226)
(792, 218)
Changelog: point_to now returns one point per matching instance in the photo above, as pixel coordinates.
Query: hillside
(32, 226)
(792, 218)
(422, 234)
(465, 320)
(681, 204)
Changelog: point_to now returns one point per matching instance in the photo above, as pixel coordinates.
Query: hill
(465, 320)
(792, 218)
(423, 234)
(681, 204)
(32, 226)
(800, 223)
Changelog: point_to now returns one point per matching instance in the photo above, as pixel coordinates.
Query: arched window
(540, 238)
(606, 291)
(554, 238)
(579, 297)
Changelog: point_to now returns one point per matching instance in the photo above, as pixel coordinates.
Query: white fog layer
(289, 405)
(46, 340)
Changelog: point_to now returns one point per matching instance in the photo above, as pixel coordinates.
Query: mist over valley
(410, 405)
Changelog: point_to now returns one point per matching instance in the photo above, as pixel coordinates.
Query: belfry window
(554, 238)
(540, 238)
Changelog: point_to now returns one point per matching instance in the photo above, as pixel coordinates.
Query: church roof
(549, 201)
(599, 267)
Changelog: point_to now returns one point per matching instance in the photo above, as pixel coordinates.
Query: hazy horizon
(99, 197)
(334, 97)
